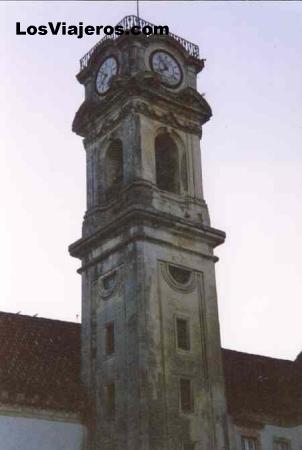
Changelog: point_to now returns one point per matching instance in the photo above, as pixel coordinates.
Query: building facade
(152, 374)
(150, 344)
(44, 406)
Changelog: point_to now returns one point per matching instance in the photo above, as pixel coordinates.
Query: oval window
(181, 276)
(109, 281)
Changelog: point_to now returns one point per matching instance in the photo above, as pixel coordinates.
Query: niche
(114, 169)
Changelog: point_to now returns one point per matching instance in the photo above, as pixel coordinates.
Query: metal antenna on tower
(137, 8)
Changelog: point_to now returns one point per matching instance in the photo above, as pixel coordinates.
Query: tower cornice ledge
(142, 93)
(138, 224)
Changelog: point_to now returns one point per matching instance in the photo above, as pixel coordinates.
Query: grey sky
(251, 151)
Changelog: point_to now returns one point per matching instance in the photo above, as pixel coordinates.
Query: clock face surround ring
(167, 66)
(107, 70)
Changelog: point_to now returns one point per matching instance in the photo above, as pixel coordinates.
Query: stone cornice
(138, 218)
(136, 237)
(186, 110)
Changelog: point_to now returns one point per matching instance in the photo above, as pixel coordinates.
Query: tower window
(182, 334)
(282, 444)
(167, 164)
(185, 391)
(114, 168)
(110, 338)
(188, 446)
(248, 443)
(110, 403)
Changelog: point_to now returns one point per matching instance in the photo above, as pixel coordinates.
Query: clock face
(105, 74)
(167, 66)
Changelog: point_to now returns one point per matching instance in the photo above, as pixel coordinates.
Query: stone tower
(151, 355)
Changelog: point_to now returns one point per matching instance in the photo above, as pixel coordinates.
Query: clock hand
(162, 63)
(103, 77)
(165, 65)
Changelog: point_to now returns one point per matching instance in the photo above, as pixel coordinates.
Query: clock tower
(151, 353)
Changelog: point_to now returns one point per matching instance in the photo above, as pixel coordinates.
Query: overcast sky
(251, 152)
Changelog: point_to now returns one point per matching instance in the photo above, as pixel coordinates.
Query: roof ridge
(256, 355)
(48, 319)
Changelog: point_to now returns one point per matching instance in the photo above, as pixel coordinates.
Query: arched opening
(167, 164)
(114, 168)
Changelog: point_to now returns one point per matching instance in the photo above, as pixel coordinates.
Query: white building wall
(270, 433)
(266, 436)
(22, 433)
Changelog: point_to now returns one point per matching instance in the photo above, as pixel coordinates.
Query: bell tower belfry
(151, 352)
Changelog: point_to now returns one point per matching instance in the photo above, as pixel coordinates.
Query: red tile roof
(262, 387)
(40, 366)
(40, 362)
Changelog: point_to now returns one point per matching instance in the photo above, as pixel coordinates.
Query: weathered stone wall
(143, 301)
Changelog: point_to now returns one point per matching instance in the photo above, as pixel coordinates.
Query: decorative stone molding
(167, 118)
(187, 103)
(179, 278)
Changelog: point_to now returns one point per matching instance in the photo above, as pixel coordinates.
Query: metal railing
(127, 23)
